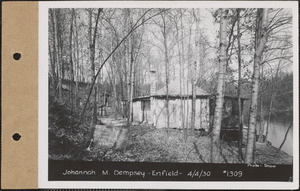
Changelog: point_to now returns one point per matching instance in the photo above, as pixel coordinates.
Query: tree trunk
(54, 57)
(260, 41)
(95, 107)
(92, 44)
(269, 117)
(194, 70)
(52, 64)
(180, 83)
(189, 80)
(126, 76)
(240, 140)
(261, 124)
(182, 77)
(165, 38)
(127, 67)
(71, 61)
(131, 92)
(220, 91)
(193, 114)
(58, 61)
(180, 86)
(130, 80)
(285, 136)
(131, 83)
(114, 84)
(77, 73)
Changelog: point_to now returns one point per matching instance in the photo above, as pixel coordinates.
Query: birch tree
(240, 141)
(182, 76)
(260, 41)
(194, 70)
(166, 54)
(220, 89)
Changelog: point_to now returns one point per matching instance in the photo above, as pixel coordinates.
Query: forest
(231, 69)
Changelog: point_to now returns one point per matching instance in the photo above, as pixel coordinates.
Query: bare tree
(57, 54)
(71, 59)
(182, 77)
(239, 85)
(92, 44)
(54, 53)
(166, 54)
(134, 48)
(194, 70)
(260, 41)
(76, 53)
(220, 89)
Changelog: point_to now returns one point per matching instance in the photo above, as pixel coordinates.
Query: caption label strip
(130, 171)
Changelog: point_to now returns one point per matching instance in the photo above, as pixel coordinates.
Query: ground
(148, 144)
(157, 145)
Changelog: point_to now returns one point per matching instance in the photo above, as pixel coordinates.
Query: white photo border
(43, 97)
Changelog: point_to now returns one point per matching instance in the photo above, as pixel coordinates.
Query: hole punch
(16, 137)
(17, 56)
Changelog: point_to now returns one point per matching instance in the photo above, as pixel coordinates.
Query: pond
(277, 129)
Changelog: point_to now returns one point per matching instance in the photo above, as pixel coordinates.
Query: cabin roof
(185, 92)
(212, 96)
(175, 90)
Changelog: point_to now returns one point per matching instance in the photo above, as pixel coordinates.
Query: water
(277, 130)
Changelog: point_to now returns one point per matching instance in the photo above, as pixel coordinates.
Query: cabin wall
(137, 111)
(159, 112)
(147, 115)
(141, 115)
(156, 112)
(202, 113)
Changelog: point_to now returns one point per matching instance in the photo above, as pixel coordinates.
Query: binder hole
(16, 136)
(17, 56)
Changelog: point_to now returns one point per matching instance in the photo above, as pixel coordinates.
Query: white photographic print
(178, 95)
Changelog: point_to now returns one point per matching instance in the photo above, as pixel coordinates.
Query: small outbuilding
(152, 109)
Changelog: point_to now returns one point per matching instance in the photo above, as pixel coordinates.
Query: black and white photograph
(171, 86)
